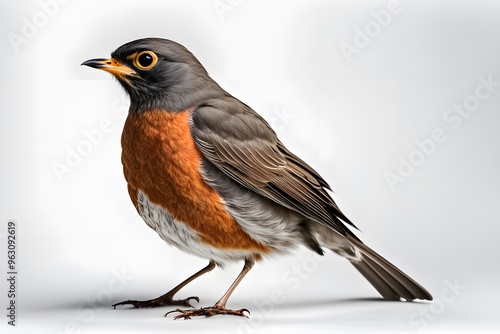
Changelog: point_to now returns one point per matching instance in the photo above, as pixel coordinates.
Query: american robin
(211, 177)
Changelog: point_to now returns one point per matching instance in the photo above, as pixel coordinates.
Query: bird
(212, 178)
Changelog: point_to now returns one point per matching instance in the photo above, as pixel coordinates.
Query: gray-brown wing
(240, 143)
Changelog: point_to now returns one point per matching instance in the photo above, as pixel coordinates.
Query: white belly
(178, 234)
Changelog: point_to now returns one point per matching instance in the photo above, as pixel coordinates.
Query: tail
(389, 281)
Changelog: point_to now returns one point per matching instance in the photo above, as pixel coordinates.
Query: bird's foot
(164, 300)
(208, 312)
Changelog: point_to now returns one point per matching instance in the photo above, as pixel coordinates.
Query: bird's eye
(146, 60)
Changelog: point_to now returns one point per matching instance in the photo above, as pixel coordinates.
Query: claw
(160, 301)
(126, 302)
(176, 310)
(207, 312)
(194, 298)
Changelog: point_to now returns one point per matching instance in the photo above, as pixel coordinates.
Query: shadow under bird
(211, 177)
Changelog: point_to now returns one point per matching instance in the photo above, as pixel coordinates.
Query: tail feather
(383, 276)
(388, 280)
(374, 278)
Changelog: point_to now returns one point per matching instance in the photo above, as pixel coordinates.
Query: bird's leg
(220, 307)
(167, 299)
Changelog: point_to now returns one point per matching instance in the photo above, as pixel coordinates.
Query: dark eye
(146, 60)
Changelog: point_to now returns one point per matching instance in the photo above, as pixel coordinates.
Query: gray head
(159, 74)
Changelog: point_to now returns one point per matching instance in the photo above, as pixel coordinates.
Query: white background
(351, 119)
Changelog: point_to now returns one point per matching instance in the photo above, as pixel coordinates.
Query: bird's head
(158, 74)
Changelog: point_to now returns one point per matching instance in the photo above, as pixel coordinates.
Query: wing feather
(239, 142)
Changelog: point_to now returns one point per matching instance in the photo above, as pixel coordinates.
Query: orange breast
(161, 159)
